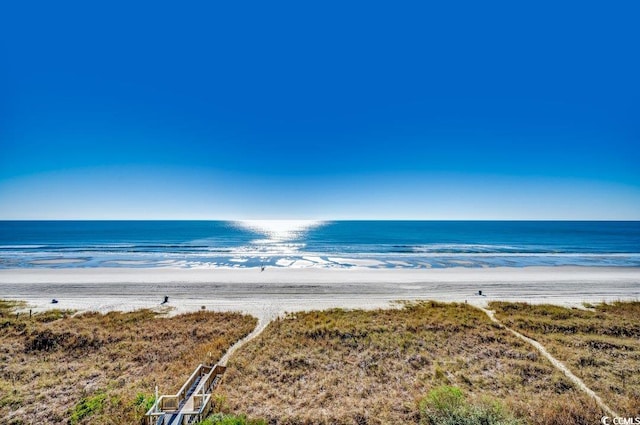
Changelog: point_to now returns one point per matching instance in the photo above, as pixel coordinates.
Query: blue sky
(459, 110)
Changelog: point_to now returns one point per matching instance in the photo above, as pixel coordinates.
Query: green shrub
(87, 407)
(144, 402)
(447, 406)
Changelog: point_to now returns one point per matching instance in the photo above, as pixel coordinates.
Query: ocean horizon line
(8, 220)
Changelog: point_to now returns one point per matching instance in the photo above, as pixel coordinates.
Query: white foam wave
(21, 246)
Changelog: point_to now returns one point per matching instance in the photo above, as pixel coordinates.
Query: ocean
(327, 244)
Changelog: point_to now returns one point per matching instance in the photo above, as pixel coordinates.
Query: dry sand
(277, 290)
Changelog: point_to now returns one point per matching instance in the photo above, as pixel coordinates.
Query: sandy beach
(277, 290)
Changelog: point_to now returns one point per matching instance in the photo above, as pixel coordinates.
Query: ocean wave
(461, 248)
(307, 242)
(21, 246)
(321, 260)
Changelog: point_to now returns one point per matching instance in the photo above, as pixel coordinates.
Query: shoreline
(277, 290)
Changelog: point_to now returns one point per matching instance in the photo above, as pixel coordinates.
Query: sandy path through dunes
(556, 363)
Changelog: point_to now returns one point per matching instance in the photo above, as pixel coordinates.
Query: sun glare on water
(280, 230)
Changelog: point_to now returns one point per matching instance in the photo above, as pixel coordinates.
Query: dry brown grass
(601, 345)
(373, 367)
(52, 363)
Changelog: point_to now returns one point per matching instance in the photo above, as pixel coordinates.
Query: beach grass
(600, 344)
(422, 363)
(383, 366)
(59, 367)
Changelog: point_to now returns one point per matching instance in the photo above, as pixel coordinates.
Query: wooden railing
(202, 400)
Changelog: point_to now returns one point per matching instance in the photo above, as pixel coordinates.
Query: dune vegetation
(422, 363)
(425, 363)
(58, 367)
(600, 344)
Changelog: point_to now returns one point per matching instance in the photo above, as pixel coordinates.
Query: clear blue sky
(450, 110)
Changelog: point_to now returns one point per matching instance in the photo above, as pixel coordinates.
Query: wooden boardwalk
(191, 404)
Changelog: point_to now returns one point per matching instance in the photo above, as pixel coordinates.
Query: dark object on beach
(480, 293)
(166, 300)
(54, 301)
(262, 268)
